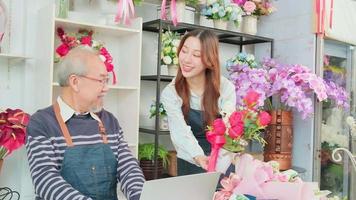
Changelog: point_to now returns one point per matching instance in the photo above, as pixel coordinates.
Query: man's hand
(202, 161)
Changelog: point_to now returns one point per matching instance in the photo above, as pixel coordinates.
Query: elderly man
(74, 152)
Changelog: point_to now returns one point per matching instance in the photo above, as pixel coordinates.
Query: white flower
(102, 58)
(250, 58)
(209, 2)
(175, 61)
(167, 60)
(174, 49)
(175, 42)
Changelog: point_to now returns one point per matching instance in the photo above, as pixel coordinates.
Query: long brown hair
(210, 59)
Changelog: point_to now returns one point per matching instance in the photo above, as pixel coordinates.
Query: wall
(291, 27)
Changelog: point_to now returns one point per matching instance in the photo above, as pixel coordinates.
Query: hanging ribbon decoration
(173, 9)
(125, 11)
(320, 15)
(331, 14)
(217, 141)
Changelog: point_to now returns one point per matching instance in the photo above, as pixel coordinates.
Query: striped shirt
(46, 145)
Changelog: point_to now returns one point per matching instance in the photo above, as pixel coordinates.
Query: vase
(232, 27)
(220, 24)
(180, 7)
(172, 70)
(203, 21)
(225, 158)
(279, 138)
(63, 8)
(1, 162)
(249, 24)
(163, 123)
(148, 168)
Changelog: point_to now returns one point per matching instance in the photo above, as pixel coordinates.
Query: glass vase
(63, 8)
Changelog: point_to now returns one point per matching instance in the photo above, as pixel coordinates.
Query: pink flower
(251, 98)
(62, 50)
(236, 131)
(86, 40)
(219, 126)
(236, 118)
(264, 118)
(249, 7)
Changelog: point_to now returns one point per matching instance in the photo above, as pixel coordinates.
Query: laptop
(191, 187)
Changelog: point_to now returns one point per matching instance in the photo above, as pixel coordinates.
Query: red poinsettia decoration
(12, 130)
(84, 37)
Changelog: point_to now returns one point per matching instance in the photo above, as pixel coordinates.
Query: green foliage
(147, 152)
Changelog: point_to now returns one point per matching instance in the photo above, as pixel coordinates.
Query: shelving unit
(157, 26)
(124, 45)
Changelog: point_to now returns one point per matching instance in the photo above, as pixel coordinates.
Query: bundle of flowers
(256, 7)
(224, 10)
(12, 130)
(170, 43)
(83, 37)
(256, 179)
(293, 85)
(235, 131)
(161, 111)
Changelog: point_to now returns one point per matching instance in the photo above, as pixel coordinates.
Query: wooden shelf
(115, 87)
(12, 56)
(105, 29)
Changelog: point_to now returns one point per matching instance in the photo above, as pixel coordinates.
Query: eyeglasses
(104, 81)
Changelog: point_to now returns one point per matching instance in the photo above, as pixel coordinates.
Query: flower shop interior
(306, 47)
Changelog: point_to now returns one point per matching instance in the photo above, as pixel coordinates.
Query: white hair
(75, 62)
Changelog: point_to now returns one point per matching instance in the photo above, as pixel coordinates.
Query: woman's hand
(202, 161)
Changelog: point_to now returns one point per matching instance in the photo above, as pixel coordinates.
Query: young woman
(197, 96)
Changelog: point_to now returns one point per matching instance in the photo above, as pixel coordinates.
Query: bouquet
(255, 7)
(235, 131)
(83, 37)
(12, 130)
(170, 43)
(161, 111)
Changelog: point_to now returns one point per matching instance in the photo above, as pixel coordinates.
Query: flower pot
(1, 162)
(163, 123)
(249, 25)
(172, 70)
(63, 8)
(172, 163)
(148, 168)
(203, 21)
(232, 27)
(279, 138)
(220, 24)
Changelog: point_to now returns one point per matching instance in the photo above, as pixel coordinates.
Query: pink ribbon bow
(217, 141)
(173, 11)
(125, 10)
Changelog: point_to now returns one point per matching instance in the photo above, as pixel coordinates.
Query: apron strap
(62, 125)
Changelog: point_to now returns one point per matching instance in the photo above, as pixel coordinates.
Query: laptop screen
(191, 187)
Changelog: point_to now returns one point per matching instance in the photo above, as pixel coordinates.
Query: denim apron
(198, 126)
(196, 122)
(90, 169)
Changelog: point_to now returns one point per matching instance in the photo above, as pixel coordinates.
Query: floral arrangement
(170, 43)
(254, 179)
(12, 130)
(256, 7)
(294, 85)
(235, 130)
(352, 124)
(83, 37)
(224, 10)
(161, 111)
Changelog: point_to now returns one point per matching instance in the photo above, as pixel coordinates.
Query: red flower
(219, 126)
(62, 50)
(86, 40)
(236, 131)
(251, 98)
(264, 118)
(236, 118)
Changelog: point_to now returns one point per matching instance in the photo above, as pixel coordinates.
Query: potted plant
(146, 154)
(218, 11)
(163, 125)
(169, 57)
(292, 86)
